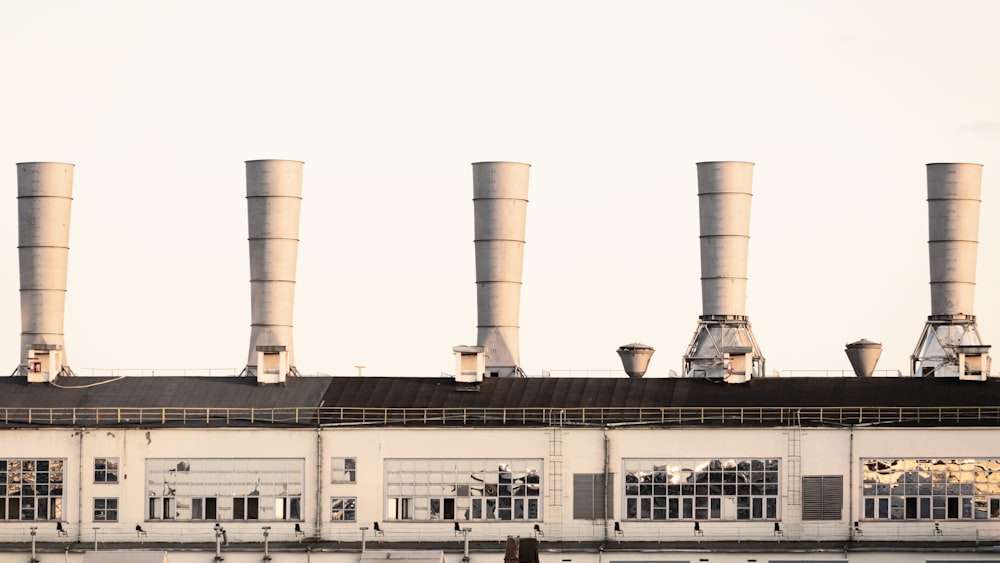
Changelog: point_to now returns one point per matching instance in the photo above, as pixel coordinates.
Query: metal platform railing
(460, 416)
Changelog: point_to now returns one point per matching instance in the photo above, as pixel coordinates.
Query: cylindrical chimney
(44, 200)
(500, 200)
(724, 193)
(953, 191)
(274, 197)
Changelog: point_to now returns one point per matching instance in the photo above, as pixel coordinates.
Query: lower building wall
(417, 484)
(638, 556)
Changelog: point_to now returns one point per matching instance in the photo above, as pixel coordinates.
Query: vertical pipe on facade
(953, 199)
(318, 521)
(44, 200)
(607, 470)
(500, 200)
(850, 484)
(274, 197)
(79, 475)
(724, 193)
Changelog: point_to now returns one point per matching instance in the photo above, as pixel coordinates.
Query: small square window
(105, 510)
(105, 469)
(344, 469)
(343, 509)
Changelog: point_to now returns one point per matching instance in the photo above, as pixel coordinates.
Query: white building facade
(591, 483)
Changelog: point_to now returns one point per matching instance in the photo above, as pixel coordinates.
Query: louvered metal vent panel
(822, 497)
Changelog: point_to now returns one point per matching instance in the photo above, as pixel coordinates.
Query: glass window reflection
(701, 489)
(244, 489)
(930, 489)
(463, 489)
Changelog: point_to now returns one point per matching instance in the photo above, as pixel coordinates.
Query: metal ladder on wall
(794, 473)
(554, 480)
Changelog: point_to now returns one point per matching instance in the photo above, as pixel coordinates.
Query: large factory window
(931, 489)
(701, 489)
(463, 489)
(224, 489)
(31, 489)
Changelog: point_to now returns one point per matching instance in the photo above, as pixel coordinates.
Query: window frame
(929, 489)
(723, 489)
(106, 471)
(32, 489)
(339, 466)
(107, 509)
(241, 489)
(464, 489)
(346, 510)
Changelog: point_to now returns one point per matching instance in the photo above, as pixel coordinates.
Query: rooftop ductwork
(723, 346)
(500, 201)
(44, 200)
(864, 355)
(635, 358)
(274, 197)
(950, 344)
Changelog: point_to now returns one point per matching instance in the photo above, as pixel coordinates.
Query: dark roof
(403, 392)
(142, 392)
(498, 401)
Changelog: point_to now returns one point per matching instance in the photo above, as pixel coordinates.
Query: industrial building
(723, 463)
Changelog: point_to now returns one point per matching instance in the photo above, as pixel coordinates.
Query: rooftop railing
(463, 416)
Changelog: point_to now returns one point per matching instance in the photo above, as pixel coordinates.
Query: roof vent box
(44, 362)
(470, 364)
(272, 364)
(973, 362)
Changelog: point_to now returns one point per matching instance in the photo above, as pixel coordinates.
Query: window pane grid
(105, 470)
(344, 469)
(930, 489)
(343, 509)
(463, 489)
(701, 489)
(31, 489)
(224, 489)
(105, 510)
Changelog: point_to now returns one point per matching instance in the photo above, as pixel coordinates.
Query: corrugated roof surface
(140, 392)
(423, 392)
(232, 401)
(377, 392)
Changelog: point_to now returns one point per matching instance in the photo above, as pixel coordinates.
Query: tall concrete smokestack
(44, 200)
(950, 345)
(723, 347)
(274, 197)
(500, 200)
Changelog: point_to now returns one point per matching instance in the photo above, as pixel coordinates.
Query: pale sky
(158, 104)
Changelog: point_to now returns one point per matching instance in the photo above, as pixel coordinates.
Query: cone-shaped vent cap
(864, 354)
(635, 358)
